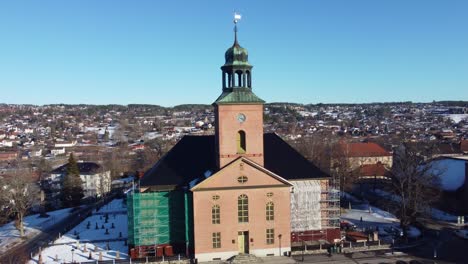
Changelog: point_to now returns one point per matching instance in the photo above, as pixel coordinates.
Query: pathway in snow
(9, 235)
(76, 245)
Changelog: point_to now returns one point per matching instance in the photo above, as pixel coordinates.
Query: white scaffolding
(315, 205)
(305, 206)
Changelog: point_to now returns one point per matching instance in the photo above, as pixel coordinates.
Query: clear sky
(169, 52)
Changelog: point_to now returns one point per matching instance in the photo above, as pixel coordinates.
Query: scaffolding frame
(315, 209)
(148, 218)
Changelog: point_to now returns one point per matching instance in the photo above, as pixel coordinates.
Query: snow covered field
(93, 237)
(376, 218)
(435, 213)
(9, 235)
(457, 117)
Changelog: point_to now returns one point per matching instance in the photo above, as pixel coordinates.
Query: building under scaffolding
(315, 211)
(159, 223)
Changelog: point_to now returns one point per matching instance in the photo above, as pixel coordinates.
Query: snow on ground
(441, 215)
(456, 118)
(349, 197)
(435, 213)
(63, 253)
(372, 218)
(33, 224)
(115, 205)
(376, 219)
(61, 250)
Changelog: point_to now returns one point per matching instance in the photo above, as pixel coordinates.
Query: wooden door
(241, 242)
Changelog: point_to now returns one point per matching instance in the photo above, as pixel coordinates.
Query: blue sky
(169, 52)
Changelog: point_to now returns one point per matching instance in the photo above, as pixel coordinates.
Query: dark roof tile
(192, 156)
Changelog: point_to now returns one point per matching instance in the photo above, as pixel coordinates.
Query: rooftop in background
(84, 167)
(367, 149)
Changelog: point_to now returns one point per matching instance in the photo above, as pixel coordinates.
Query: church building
(239, 191)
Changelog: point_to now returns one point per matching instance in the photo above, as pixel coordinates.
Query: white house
(57, 152)
(96, 180)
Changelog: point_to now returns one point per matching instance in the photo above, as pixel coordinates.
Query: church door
(243, 242)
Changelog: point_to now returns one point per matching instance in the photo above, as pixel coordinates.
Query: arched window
(215, 214)
(241, 145)
(243, 208)
(270, 211)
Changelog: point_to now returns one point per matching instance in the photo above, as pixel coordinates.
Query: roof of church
(239, 95)
(193, 156)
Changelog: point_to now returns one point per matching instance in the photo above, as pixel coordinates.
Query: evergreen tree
(72, 190)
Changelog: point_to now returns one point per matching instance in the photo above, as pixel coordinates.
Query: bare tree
(113, 161)
(414, 182)
(329, 154)
(19, 193)
(315, 148)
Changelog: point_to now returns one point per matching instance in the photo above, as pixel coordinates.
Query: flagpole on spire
(237, 17)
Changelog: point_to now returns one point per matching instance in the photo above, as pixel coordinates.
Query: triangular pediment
(255, 176)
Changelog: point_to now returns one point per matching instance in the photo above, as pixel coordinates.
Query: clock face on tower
(241, 118)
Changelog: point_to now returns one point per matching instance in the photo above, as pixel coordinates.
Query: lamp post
(393, 245)
(303, 246)
(279, 237)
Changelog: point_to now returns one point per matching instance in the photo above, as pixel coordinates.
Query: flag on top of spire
(237, 17)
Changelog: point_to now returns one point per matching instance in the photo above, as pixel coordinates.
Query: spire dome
(236, 55)
(237, 75)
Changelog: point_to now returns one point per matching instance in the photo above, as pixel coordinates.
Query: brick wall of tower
(227, 127)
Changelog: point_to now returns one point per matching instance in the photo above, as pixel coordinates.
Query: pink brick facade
(227, 127)
(260, 188)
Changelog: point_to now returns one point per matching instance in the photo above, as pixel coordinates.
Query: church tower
(238, 111)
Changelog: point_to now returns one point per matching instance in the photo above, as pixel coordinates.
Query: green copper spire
(237, 75)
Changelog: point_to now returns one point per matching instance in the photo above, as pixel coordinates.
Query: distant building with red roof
(373, 171)
(367, 153)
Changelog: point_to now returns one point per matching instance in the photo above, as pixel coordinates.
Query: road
(441, 242)
(21, 252)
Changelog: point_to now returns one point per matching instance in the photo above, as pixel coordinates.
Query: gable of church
(241, 173)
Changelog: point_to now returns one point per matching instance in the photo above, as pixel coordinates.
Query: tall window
(270, 211)
(216, 238)
(241, 147)
(215, 215)
(243, 208)
(270, 236)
